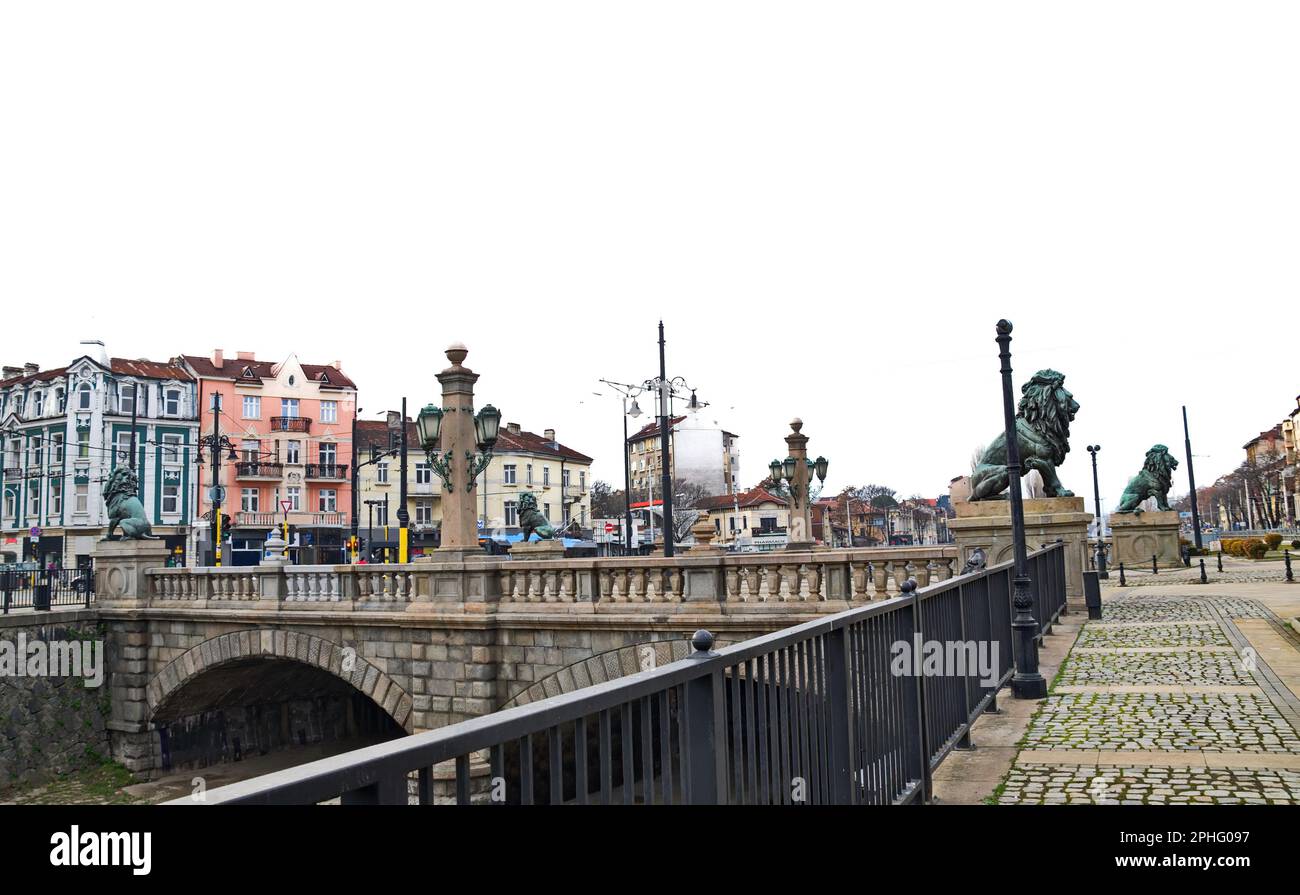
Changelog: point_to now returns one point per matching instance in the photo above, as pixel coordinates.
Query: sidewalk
(1183, 694)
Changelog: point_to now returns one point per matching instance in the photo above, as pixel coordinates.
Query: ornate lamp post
(396, 422)
(797, 471)
(215, 443)
(1027, 683)
(466, 440)
(1101, 520)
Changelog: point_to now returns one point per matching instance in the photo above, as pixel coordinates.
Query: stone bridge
(206, 664)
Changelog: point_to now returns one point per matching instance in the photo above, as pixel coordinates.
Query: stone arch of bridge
(607, 666)
(224, 650)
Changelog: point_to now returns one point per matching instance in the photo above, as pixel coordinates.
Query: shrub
(1273, 540)
(1254, 548)
(1295, 545)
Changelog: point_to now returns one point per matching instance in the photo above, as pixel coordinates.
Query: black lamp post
(1101, 523)
(1191, 482)
(1027, 683)
(403, 515)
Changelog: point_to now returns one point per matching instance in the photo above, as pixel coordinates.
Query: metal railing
(819, 713)
(326, 471)
(290, 424)
(44, 589)
(256, 469)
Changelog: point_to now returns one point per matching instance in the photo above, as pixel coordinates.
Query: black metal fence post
(1155, 565)
(1122, 582)
(705, 774)
(914, 721)
(839, 704)
(1286, 557)
(1204, 580)
(1220, 554)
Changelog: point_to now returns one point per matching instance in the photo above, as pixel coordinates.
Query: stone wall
(50, 725)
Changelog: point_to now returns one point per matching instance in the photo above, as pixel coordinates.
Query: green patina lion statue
(1042, 432)
(124, 507)
(531, 519)
(1154, 480)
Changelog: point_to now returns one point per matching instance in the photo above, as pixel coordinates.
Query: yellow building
(557, 475)
(378, 487)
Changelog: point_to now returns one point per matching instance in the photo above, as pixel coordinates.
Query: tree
(606, 503)
(686, 496)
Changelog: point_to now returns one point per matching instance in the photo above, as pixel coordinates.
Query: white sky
(829, 204)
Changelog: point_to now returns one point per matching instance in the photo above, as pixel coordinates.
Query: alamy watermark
(945, 658)
(53, 658)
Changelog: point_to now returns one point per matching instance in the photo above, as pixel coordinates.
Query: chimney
(94, 348)
(10, 372)
(245, 355)
(549, 434)
(29, 368)
(512, 428)
(336, 364)
(218, 358)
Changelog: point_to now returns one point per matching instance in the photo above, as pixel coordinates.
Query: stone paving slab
(1159, 757)
(1128, 636)
(1156, 688)
(1220, 722)
(1188, 668)
(1127, 784)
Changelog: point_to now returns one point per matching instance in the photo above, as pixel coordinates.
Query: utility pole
(356, 509)
(216, 474)
(403, 517)
(1191, 480)
(665, 416)
(627, 484)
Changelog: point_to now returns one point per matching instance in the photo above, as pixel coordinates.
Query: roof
(532, 443)
(1273, 434)
(653, 428)
(751, 498)
(376, 432)
(233, 369)
(121, 366)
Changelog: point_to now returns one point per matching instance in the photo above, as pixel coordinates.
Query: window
(37, 453)
(12, 455)
(329, 499)
(251, 448)
(509, 473)
(248, 500)
(172, 402)
(512, 512)
(565, 478)
(424, 512)
(289, 407)
(214, 401)
(252, 407)
(38, 404)
(33, 501)
(126, 398)
(329, 453)
(123, 452)
(60, 400)
(83, 396)
(381, 473)
(11, 504)
(81, 499)
(329, 411)
(582, 480)
(83, 444)
(293, 452)
(546, 476)
(171, 448)
(546, 510)
(171, 494)
(423, 474)
(294, 495)
(56, 448)
(529, 473)
(381, 514)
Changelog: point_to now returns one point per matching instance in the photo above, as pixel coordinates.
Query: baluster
(675, 581)
(606, 582)
(653, 585)
(815, 579)
(880, 580)
(900, 574)
(534, 586)
(548, 586)
(766, 577)
(747, 592)
(567, 585)
(731, 581)
(363, 585)
(943, 568)
(923, 573)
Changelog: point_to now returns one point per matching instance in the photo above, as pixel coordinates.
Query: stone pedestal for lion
(119, 570)
(1139, 536)
(987, 524)
(544, 549)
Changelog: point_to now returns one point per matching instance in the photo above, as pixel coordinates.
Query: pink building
(291, 427)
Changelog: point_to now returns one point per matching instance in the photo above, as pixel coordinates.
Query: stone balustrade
(817, 580)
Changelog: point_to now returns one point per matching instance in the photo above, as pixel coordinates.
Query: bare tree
(686, 496)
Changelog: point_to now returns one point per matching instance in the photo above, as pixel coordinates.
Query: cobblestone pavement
(1190, 576)
(1148, 785)
(1184, 730)
(1119, 636)
(1170, 669)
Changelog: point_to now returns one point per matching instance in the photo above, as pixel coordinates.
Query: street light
(397, 421)
(487, 426)
(1027, 683)
(1101, 524)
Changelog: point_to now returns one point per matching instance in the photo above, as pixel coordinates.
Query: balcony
(290, 424)
(297, 518)
(334, 471)
(258, 470)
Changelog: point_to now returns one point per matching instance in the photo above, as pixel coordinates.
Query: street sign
(36, 532)
(284, 505)
(217, 494)
(609, 527)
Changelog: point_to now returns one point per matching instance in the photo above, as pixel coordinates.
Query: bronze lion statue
(531, 519)
(124, 507)
(1042, 432)
(1154, 480)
